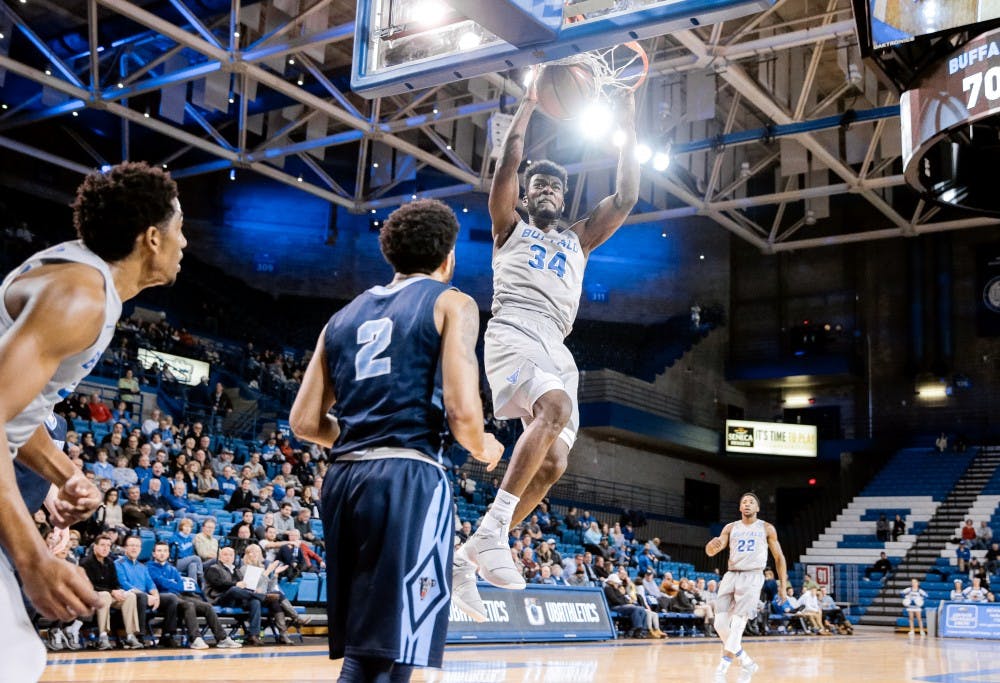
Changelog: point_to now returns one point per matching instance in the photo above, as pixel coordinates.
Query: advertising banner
(770, 438)
(824, 576)
(538, 613)
(970, 620)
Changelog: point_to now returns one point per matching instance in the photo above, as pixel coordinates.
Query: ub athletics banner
(988, 291)
(770, 438)
(969, 620)
(539, 613)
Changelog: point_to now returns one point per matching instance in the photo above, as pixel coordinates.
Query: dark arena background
(805, 302)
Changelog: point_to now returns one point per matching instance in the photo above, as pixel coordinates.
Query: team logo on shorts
(536, 617)
(513, 378)
(739, 437)
(426, 584)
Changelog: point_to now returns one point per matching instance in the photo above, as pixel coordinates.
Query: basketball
(564, 90)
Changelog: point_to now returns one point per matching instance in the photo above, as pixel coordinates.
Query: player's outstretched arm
(506, 188)
(458, 319)
(310, 417)
(612, 211)
(779, 557)
(719, 543)
(58, 315)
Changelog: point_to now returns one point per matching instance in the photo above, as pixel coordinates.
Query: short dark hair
(114, 207)
(418, 236)
(752, 495)
(546, 167)
(159, 543)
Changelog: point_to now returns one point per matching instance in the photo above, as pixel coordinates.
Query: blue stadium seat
(321, 598)
(309, 589)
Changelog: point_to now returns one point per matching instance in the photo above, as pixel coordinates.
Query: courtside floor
(871, 655)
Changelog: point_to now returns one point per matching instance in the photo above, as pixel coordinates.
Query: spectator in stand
(571, 520)
(601, 568)
(809, 583)
(544, 517)
(543, 554)
(591, 536)
(114, 446)
(530, 567)
(135, 515)
(242, 540)
(654, 595)
(993, 559)
(243, 498)
(969, 533)
(882, 528)
(190, 606)
(133, 576)
(619, 604)
(109, 516)
(122, 414)
(128, 387)
(123, 476)
(303, 522)
(533, 528)
(812, 611)
(102, 469)
(281, 609)
(246, 521)
(224, 586)
(646, 561)
(464, 531)
(984, 536)
(833, 616)
(99, 411)
(206, 484)
(882, 566)
(299, 557)
(978, 570)
(957, 595)
(466, 487)
(265, 501)
(913, 601)
(578, 578)
(228, 483)
(544, 576)
(668, 586)
(558, 576)
(702, 607)
(104, 577)
(186, 559)
(898, 527)
(585, 521)
(206, 545)
(284, 521)
(976, 592)
(652, 625)
(271, 544)
(177, 499)
(151, 424)
(89, 446)
(942, 445)
(963, 554)
(219, 407)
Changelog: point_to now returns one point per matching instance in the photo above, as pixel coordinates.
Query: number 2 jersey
(747, 546)
(539, 273)
(383, 356)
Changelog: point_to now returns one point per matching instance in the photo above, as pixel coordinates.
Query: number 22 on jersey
(374, 337)
(557, 263)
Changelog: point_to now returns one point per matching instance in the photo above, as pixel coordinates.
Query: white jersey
(540, 273)
(73, 369)
(747, 546)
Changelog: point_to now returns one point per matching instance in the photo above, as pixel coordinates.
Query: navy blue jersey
(383, 354)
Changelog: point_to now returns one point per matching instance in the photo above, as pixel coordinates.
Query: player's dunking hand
(74, 502)
(531, 92)
(58, 589)
(491, 453)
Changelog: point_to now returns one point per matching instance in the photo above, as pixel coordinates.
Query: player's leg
(548, 474)
(19, 634)
(747, 595)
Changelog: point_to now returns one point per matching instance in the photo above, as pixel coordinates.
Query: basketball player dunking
(537, 280)
(739, 592)
(393, 364)
(58, 312)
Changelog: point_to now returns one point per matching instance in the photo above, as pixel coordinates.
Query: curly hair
(112, 208)
(546, 167)
(418, 236)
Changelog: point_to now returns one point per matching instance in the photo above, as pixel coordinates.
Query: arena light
(429, 12)
(661, 161)
(643, 153)
(469, 40)
(932, 391)
(618, 138)
(232, 174)
(798, 400)
(595, 120)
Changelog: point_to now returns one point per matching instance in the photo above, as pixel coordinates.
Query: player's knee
(554, 465)
(554, 410)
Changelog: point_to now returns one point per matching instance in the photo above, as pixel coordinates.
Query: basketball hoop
(622, 68)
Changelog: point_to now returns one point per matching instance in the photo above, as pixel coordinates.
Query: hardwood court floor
(870, 656)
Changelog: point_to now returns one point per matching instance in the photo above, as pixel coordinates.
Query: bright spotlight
(429, 12)
(232, 174)
(661, 161)
(595, 120)
(643, 153)
(469, 40)
(618, 138)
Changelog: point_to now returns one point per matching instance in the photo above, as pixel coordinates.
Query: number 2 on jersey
(745, 545)
(557, 263)
(374, 337)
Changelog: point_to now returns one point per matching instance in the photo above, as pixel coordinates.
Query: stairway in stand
(887, 607)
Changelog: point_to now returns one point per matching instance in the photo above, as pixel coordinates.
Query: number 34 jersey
(383, 356)
(539, 272)
(747, 546)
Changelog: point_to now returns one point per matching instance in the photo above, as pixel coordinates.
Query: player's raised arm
(779, 557)
(463, 405)
(505, 190)
(612, 211)
(310, 417)
(719, 543)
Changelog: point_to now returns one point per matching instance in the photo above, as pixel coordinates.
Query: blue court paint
(989, 676)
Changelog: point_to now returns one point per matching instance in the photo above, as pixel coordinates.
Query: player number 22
(745, 545)
(557, 263)
(374, 337)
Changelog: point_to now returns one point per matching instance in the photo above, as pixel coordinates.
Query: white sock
(500, 513)
(724, 664)
(74, 628)
(744, 658)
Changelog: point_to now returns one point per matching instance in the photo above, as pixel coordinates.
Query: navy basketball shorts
(389, 530)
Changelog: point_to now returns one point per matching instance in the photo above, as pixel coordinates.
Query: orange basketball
(564, 90)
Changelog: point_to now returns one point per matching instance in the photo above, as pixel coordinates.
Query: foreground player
(57, 315)
(394, 363)
(739, 592)
(537, 280)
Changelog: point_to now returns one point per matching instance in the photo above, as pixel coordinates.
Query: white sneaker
(103, 643)
(747, 671)
(199, 644)
(132, 642)
(57, 641)
(489, 551)
(227, 644)
(464, 592)
(719, 677)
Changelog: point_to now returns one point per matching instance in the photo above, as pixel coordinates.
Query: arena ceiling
(792, 120)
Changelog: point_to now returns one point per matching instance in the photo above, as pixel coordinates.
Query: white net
(622, 67)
